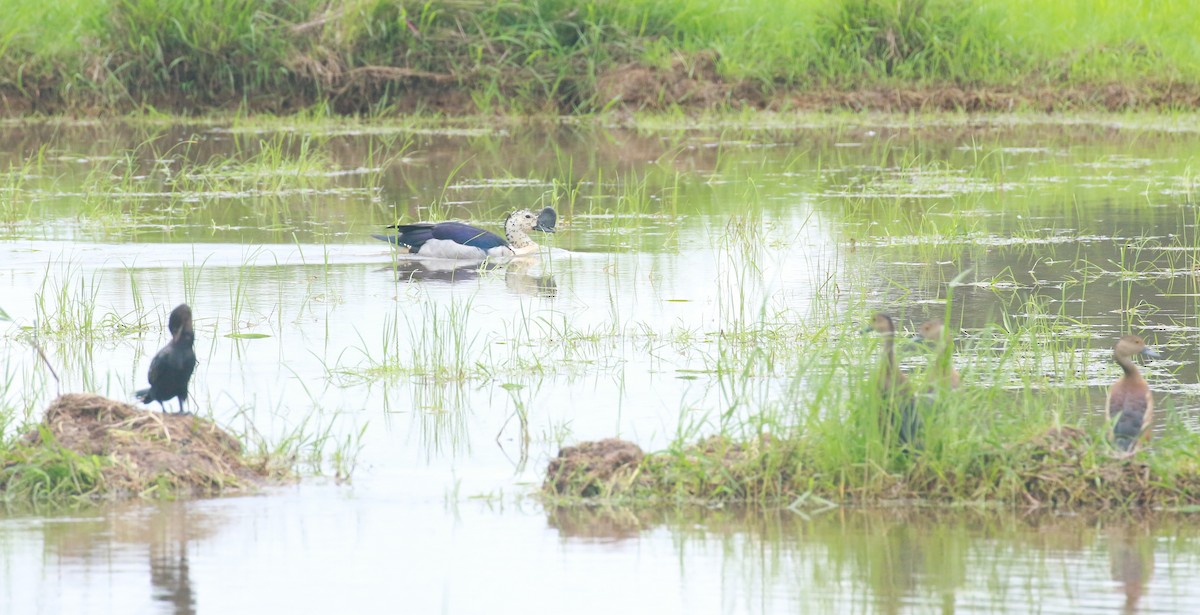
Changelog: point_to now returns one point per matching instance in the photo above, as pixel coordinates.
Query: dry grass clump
(1069, 468)
(591, 469)
(90, 446)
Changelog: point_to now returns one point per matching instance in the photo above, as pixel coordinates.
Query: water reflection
(916, 560)
(522, 275)
(85, 547)
(439, 269)
(169, 565)
(1087, 229)
(1131, 560)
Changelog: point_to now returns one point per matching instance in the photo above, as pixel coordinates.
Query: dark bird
(465, 242)
(1130, 407)
(901, 417)
(942, 374)
(172, 367)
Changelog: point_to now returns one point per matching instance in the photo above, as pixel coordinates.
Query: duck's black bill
(546, 220)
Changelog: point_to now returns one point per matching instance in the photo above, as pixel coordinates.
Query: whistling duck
(1129, 401)
(902, 418)
(465, 242)
(941, 371)
(172, 367)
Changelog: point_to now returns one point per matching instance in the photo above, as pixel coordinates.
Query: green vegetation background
(572, 56)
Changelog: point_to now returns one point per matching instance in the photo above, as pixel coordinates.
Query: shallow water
(671, 243)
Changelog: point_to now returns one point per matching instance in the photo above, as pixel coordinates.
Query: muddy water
(443, 392)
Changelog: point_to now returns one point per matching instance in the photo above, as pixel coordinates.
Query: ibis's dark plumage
(462, 241)
(171, 369)
(1130, 406)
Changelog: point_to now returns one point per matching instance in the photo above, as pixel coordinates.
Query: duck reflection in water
(1131, 561)
(515, 271)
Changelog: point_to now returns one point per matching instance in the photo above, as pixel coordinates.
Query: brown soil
(592, 468)
(691, 83)
(186, 454)
(1045, 98)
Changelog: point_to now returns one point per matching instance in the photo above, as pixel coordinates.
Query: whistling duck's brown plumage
(942, 373)
(1130, 406)
(894, 387)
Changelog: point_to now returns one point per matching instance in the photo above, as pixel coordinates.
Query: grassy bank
(576, 56)
(1009, 437)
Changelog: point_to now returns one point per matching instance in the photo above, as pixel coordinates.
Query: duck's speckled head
(521, 222)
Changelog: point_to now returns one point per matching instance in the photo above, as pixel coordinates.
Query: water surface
(414, 377)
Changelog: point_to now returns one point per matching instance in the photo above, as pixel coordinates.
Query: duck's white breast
(529, 248)
(444, 248)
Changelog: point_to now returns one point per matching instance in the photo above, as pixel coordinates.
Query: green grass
(1023, 432)
(565, 56)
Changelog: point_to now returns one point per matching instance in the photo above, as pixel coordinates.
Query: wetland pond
(693, 270)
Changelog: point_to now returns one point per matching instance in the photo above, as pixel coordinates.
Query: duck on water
(456, 240)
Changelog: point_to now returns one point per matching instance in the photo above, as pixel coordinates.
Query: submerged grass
(370, 56)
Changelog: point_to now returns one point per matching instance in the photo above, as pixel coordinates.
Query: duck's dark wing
(415, 235)
(412, 235)
(1132, 407)
(467, 235)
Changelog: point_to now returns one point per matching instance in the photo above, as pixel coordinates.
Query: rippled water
(669, 241)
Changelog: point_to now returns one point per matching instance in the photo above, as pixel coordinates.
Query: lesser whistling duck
(465, 242)
(1129, 402)
(901, 418)
(172, 367)
(941, 371)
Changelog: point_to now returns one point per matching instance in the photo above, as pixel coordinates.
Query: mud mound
(691, 81)
(145, 451)
(592, 468)
(1067, 467)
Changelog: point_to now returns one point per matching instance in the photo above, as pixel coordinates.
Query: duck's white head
(520, 223)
